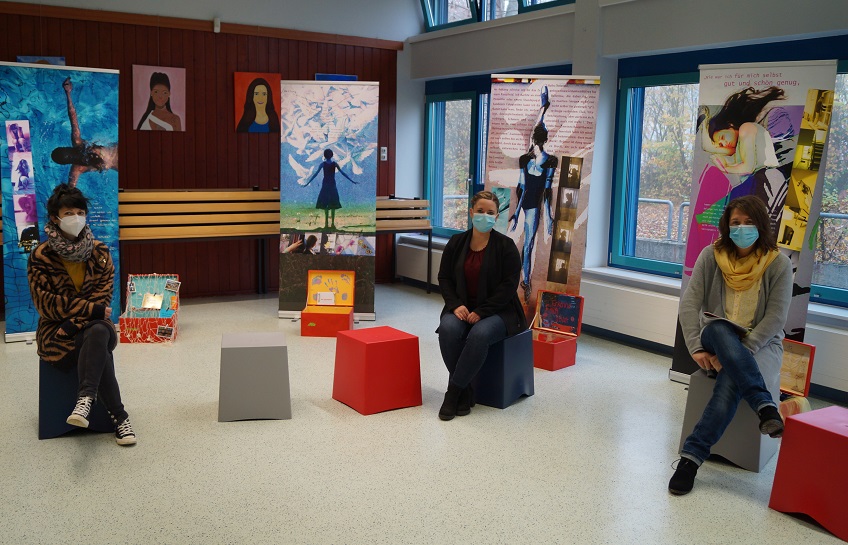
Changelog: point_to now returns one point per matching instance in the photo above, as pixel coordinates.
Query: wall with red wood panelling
(209, 154)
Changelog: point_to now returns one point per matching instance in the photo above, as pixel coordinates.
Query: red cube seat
(377, 369)
(810, 477)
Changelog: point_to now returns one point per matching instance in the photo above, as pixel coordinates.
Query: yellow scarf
(742, 273)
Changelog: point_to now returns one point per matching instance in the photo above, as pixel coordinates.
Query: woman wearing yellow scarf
(732, 316)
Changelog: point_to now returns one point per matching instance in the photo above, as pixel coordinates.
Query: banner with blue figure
(61, 125)
(328, 186)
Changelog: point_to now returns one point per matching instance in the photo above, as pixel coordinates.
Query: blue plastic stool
(507, 373)
(57, 395)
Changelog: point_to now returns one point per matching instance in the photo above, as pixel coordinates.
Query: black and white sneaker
(79, 416)
(124, 433)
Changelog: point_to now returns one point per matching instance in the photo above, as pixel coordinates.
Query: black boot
(770, 422)
(466, 401)
(449, 406)
(684, 477)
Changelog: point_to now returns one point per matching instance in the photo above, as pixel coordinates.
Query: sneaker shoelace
(83, 405)
(125, 429)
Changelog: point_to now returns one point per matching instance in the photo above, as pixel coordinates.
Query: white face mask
(72, 225)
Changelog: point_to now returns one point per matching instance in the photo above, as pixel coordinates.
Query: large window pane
(446, 12)
(831, 266)
(665, 171)
(495, 9)
(449, 161)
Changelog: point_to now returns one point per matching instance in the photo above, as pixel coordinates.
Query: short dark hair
(756, 209)
(65, 196)
(328, 154)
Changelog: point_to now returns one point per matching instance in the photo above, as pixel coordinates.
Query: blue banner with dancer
(328, 186)
(61, 126)
(761, 130)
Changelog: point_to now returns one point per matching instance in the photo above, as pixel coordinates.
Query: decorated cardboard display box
(153, 304)
(556, 327)
(795, 373)
(329, 303)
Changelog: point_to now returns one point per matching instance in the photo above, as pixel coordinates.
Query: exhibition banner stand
(787, 109)
(61, 125)
(328, 187)
(539, 164)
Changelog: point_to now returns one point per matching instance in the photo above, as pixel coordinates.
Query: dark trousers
(96, 367)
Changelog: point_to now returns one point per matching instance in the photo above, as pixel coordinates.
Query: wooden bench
(184, 214)
(406, 216)
(181, 214)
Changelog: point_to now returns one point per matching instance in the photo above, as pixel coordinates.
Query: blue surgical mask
(744, 235)
(483, 222)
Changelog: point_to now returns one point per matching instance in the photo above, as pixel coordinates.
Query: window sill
(817, 314)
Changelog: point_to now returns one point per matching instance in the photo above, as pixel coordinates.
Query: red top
(473, 264)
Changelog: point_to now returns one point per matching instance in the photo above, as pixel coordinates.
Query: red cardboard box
(145, 324)
(329, 303)
(556, 327)
(552, 351)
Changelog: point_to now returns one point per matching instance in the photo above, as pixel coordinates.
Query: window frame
(433, 164)
(429, 18)
(524, 6)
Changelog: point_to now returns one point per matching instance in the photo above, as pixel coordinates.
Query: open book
(740, 330)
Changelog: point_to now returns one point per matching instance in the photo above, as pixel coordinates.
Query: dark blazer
(64, 312)
(498, 283)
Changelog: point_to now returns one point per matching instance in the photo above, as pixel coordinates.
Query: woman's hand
(461, 312)
(707, 361)
(473, 318)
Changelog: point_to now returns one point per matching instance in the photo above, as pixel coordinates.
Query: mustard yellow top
(740, 306)
(76, 270)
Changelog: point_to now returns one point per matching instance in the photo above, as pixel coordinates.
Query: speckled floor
(586, 460)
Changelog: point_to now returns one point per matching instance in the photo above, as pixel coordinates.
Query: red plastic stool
(377, 369)
(810, 477)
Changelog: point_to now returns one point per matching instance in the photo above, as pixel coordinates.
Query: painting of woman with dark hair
(83, 156)
(158, 116)
(259, 114)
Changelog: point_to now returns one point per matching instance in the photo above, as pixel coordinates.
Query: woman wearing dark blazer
(478, 277)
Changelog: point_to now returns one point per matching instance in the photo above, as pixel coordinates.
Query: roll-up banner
(328, 187)
(61, 125)
(539, 165)
(787, 107)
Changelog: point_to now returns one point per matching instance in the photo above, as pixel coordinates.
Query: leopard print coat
(64, 312)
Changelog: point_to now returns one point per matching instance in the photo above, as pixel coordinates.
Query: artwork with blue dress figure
(328, 184)
(71, 121)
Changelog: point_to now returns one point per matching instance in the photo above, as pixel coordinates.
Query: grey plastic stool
(742, 442)
(254, 377)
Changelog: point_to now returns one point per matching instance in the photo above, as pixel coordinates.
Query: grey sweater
(706, 293)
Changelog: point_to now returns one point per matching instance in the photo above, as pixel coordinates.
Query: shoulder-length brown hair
(756, 210)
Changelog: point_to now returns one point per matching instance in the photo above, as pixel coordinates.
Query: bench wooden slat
(197, 208)
(198, 231)
(391, 214)
(402, 203)
(196, 196)
(388, 225)
(199, 219)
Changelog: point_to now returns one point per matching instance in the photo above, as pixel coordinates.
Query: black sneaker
(684, 477)
(771, 423)
(79, 416)
(124, 433)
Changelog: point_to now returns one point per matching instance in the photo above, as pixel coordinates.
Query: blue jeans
(465, 347)
(739, 378)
